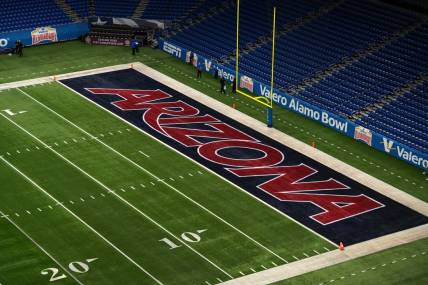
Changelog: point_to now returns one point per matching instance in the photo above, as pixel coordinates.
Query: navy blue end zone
(333, 205)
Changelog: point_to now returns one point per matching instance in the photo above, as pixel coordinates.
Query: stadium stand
(342, 56)
(221, 27)
(169, 9)
(80, 6)
(113, 8)
(18, 15)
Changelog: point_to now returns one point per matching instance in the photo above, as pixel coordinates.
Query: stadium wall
(43, 35)
(336, 122)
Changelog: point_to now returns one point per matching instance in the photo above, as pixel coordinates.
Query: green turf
(400, 265)
(242, 234)
(58, 232)
(73, 56)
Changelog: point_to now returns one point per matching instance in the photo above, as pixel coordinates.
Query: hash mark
(144, 154)
(240, 272)
(252, 269)
(93, 198)
(296, 258)
(306, 254)
(274, 264)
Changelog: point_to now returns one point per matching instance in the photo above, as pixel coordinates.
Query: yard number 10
(186, 236)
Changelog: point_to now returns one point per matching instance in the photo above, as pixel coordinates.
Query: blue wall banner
(336, 122)
(43, 35)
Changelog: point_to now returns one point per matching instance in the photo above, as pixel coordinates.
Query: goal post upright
(267, 102)
(237, 44)
(270, 109)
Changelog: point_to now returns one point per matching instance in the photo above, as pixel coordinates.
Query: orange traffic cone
(341, 246)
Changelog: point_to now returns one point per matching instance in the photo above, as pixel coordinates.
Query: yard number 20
(75, 266)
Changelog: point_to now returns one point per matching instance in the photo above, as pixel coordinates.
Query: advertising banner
(43, 35)
(336, 122)
(94, 40)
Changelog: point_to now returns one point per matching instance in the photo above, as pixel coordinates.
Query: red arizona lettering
(134, 99)
(143, 99)
(156, 110)
(220, 131)
(287, 186)
(210, 151)
(188, 120)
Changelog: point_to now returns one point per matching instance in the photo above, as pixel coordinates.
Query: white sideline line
(119, 197)
(39, 246)
(78, 218)
(151, 174)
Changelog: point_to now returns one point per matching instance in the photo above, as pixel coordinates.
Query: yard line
(40, 247)
(117, 196)
(154, 176)
(78, 218)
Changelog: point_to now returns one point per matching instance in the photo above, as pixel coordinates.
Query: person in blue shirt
(134, 46)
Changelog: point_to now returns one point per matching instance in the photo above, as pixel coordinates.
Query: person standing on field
(134, 46)
(222, 85)
(19, 48)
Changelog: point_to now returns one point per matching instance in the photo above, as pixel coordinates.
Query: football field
(88, 199)
(91, 196)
